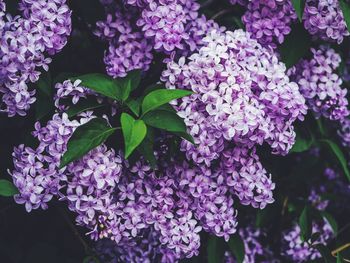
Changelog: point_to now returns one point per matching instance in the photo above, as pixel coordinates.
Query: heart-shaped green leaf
(134, 131)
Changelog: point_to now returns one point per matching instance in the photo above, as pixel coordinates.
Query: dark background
(50, 236)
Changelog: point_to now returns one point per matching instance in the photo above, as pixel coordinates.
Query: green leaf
(153, 87)
(135, 78)
(82, 106)
(128, 84)
(321, 127)
(167, 120)
(90, 259)
(44, 84)
(345, 8)
(215, 250)
(102, 84)
(146, 148)
(299, 6)
(292, 51)
(125, 90)
(301, 144)
(326, 254)
(331, 220)
(236, 246)
(339, 258)
(305, 224)
(134, 106)
(134, 131)
(44, 103)
(7, 188)
(85, 138)
(160, 97)
(339, 154)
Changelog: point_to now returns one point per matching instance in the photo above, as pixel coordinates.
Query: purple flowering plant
(174, 131)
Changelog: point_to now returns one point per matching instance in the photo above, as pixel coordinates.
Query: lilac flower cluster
(70, 90)
(43, 28)
(134, 29)
(320, 85)
(242, 95)
(269, 21)
(324, 19)
(147, 249)
(254, 250)
(299, 251)
(35, 171)
(119, 201)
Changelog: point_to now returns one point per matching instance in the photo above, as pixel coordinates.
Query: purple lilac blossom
(269, 21)
(254, 250)
(316, 199)
(246, 177)
(240, 2)
(128, 48)
(242, 94)
(69, 89)
(138, 29)
(36, 173)
(293, 246)
(43, 28)
(119, 201)
(242, 98)
(320, 84)
(324, 19)
(344, 132)
(330, 173)
(146, 249)
(299, 251)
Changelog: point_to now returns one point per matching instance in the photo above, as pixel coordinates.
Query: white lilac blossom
(136, 30)
(324, 19)
(320, 84)
(25, 41)
(242, 96)
(269, 21)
